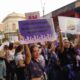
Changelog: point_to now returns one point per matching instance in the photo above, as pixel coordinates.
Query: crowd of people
(47, 61)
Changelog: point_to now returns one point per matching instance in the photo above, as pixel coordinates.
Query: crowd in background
(47, 61)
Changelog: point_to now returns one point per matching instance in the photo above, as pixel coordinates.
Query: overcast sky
(24, 6)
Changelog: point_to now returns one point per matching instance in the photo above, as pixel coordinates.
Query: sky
(25, 6)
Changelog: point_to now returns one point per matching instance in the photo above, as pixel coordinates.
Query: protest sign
(37, 30)
(69, 25)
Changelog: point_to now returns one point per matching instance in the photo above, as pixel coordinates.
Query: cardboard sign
(69, 24)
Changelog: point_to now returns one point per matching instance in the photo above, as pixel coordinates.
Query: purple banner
(37, 30)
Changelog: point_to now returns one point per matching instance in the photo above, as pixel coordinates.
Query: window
(13, 27)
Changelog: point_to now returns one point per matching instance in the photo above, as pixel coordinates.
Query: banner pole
(60, 40)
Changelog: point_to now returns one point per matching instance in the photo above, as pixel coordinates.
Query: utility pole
(43, 7)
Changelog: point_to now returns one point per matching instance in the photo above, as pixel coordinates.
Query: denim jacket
(2, 69)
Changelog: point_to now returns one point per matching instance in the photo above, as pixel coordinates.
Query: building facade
(1, 32)
(11, 24)
(1, 27)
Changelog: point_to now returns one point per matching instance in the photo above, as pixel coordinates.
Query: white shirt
(42, 60)
(11, 55)
(18, 57)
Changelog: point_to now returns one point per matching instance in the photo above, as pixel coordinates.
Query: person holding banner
(36, 71)
(67, 57)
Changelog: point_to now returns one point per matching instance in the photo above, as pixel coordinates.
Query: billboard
(32, 15)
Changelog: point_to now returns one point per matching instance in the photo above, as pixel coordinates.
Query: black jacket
(67, 57)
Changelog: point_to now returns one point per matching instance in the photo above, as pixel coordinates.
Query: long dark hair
(6, 47)
(32, 50)
(18, 49)
(11, 46)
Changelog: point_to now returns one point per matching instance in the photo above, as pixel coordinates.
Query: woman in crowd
(45, 52)
(67, 58)
(78, 59)
(41, 57)
(36, 70)
(78, 54)
(54, 63)
(20, 63)
(2, 66)
(10, 62)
